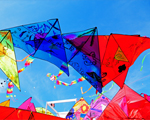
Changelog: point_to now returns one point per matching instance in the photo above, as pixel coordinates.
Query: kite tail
(54, 84)
(143, 61)
(76, 81)
(100, 94)
(60, 73)
(58, 82)
(63, 68)
(9, 90)
(85, 91)
(25, 57)
(27, 63)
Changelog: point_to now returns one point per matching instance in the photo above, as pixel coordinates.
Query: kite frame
(59, 101)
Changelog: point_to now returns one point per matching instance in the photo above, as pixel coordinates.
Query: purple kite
(97, 107)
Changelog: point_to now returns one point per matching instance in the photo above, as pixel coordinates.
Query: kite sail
(118, 52)
(97, 107)
(42, 110)
(79, 110)
(42, 38)
(27, 105)
(9, 113)
(127, 104)
(82, 50)
(5, 103)
(7, 57)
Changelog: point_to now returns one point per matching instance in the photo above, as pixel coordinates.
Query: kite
(42, 38)
(27, 105)
(58, 82)
(5, 103)
(97, 107)
(82, 51)
(42, 110)
(7, 57)
(9, 113)
(79, 110)
(127, 104)
(118, 52)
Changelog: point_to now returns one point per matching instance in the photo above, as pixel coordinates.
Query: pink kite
(27, 105)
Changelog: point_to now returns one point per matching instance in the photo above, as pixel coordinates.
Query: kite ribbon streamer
(25, 57)
(10, 90)
(85, 91)
(27, 63)
(143, 61)
(60, 73)
(100, 94)
(58, 82)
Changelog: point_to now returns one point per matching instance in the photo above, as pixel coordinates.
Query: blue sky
(109, 16)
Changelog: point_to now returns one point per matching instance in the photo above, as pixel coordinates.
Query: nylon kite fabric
(42, 110)
(44, 38)
(7, 57)
(9, 113)
(97, 107)
(82, 52)
(5, 103)
(79, 110)
(27, 105)
(127, 104)
(119, 53)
